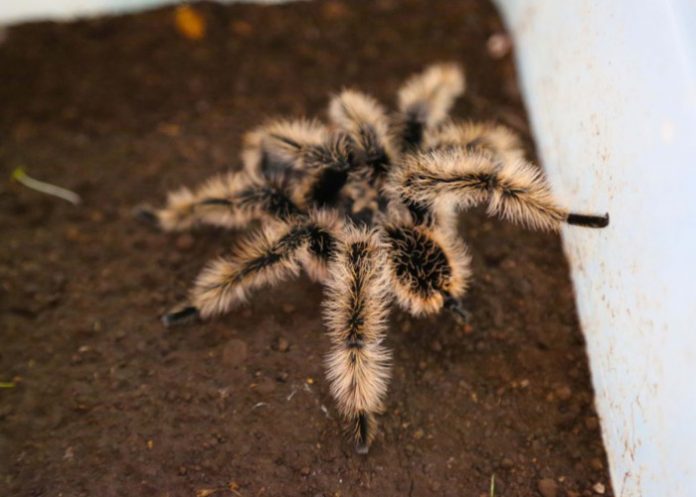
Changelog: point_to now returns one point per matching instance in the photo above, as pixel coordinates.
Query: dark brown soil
(108, 402)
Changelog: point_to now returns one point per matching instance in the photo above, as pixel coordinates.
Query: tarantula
(367, 206)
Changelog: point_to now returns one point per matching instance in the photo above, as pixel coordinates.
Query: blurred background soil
(101, 400)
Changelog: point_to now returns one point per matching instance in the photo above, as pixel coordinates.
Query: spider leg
(327, 167)
(355, 312)
(425, 100)
(276, 252)
(181, 315)
(313, 162)
(277, 148)
(461, 314)
(500, 142)
(428, 268)
(365, 121)
(230, 200)
(274, 157)
(444, 180)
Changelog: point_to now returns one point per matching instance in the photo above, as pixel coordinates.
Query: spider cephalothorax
(365, 205)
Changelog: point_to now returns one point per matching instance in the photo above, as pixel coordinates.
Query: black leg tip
(185, 315)
(361, 448)
(214, 201)
(456, 307)
(147, 215)
(462, 316)
(588, 221)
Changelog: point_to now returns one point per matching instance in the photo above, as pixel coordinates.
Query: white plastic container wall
(611, 91)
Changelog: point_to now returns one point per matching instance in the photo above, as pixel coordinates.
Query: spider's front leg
(276, 252)
(355, 310)
(444, 180)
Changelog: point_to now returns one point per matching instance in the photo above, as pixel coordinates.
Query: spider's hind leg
(355, 312)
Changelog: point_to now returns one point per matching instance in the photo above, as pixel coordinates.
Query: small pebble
(591, 423)
(335, 10)
(418, 434)
(547, 487)
(69, 454)
(499, 45)
(599, 488)
(282, 345)
(96, 216)
(564, 392)
(242, 28)
(305, 471)
(507, 463)
(73, 234)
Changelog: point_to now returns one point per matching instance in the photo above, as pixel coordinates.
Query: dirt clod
(564, 393)
(591, 423)
(596, 464)
(547, 487)
(282, 344)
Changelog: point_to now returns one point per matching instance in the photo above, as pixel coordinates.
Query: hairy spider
(367, 206)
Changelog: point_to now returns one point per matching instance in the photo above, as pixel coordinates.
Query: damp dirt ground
(99, 399)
